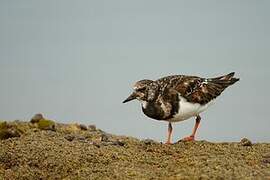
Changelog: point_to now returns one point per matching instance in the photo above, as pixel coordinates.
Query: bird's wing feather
(202, 90)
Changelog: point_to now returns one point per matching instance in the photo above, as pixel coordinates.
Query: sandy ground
(79, 152)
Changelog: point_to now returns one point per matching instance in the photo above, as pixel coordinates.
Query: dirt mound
(79, 152)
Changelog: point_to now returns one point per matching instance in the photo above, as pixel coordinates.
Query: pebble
(245, 142)
(92, 128)
(69, 137)
(83, 127)
(118, 143)
(104, 137)
(266, 158)
(36, 118)
(149, 142)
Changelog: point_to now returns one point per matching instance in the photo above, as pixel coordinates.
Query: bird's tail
(224, 81)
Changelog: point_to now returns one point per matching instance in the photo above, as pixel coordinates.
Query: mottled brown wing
(202, 90)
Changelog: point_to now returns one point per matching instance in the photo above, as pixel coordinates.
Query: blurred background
(75, 61)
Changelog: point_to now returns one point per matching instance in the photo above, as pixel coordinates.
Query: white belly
(188, 110)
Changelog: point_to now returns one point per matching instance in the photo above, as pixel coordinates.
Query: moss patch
(46, 124)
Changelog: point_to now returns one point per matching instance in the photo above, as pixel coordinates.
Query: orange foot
(168, 143)
(189, 138)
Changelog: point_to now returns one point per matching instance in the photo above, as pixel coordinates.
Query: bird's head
(140, 91)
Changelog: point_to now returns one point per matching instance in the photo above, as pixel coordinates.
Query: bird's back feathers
(196, 89)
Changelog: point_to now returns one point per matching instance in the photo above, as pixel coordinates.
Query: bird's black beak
(130, 98)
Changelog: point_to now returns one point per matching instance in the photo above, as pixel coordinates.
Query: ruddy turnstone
(179, 97)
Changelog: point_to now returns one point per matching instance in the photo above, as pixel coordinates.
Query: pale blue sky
(76, 61)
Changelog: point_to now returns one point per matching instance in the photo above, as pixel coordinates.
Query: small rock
(245, 142)
(119, 143)
(266, 161)
(148, 141)
(69, 137)
(81, 138)
(36, 118)
(104, 137)
(92, 128)
(83, 127)
(96, 144)
(112, 143)
(266, 158)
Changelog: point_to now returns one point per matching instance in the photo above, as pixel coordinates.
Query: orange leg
(192, 136)
(170, 129)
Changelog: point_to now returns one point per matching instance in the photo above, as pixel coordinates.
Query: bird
(177, 98)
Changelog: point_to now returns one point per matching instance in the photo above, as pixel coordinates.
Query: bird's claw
(189, 138)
